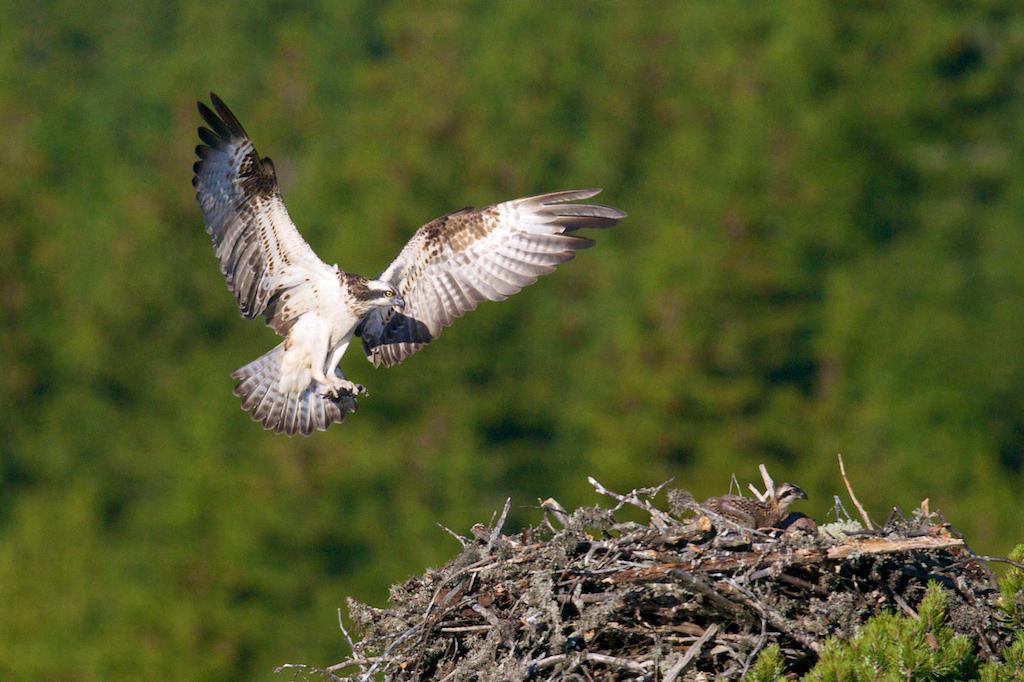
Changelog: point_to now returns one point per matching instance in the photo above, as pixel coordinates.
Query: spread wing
(453, 263)
(268, 266)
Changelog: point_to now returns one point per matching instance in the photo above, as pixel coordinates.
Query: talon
(341, 388)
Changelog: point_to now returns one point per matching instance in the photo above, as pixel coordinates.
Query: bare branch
(683, 663)
(458, 538)
(761, 496)
(558, 511)
(497, 527)
(660, 519)
(856, 502)
(769, 484)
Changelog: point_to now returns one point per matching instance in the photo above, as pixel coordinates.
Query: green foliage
(1011, 669)
(894, 647)
(1011, 591)
(769, 666)
(822, 254)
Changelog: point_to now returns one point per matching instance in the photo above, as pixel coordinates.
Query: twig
(713, 597)
(1000, 560)
(386, 655)
(757, 647)
(348, 637)
(776, 619)
(487, 615)
(683, 663)
(497, 527)
(905, 606)
(801, 583)
(838, 506)
(769, 484)
(982, 562)
(466, 628)
(291, 666)
(361, 662)
(849, 489)
(610, 661)
(660, 519)
(883, 546)
(616, 662)
(461, 540)
(558, 511)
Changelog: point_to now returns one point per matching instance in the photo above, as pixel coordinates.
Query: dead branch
(497, 527)
(683, 663)
(853, 498)
(659, 518)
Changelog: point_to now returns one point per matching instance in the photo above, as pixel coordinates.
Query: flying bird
(449, 266)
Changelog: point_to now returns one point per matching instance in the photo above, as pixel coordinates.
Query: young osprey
(449, 266)
(753, 513)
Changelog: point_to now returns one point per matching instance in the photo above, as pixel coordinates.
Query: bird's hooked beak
(397, 303)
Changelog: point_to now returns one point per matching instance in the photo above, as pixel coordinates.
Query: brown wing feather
(454, 262)
(259, 248)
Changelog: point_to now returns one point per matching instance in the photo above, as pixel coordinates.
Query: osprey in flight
(449, 266)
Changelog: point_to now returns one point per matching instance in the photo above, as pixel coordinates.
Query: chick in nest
(753, 513)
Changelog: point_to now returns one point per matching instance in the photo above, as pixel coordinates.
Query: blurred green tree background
(825, 253)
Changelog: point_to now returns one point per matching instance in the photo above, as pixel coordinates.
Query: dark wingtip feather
(228, 116)
(207, 136)
(609, 212)
(574, 216)
(581, 242)
(218, 126)
(578, 216)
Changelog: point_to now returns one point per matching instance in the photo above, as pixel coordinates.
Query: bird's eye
(389, 293)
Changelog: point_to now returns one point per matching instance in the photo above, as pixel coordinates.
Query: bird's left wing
(454, 262)
(260, 250)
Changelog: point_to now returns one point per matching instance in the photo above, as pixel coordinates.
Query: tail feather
(299, 412)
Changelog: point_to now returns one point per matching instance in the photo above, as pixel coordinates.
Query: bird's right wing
(268, 266)
(454, 262)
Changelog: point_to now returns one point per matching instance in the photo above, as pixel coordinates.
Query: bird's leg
(317, 353)
(331, 370)
(334, 380)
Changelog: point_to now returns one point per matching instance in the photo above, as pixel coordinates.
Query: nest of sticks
(685, 594)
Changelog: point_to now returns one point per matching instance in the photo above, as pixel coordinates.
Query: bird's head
(788, 493)
(373, 293)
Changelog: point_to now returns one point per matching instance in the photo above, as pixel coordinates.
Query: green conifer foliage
(893, 647)
(769, 666)
(1011, 669)
(1011, 588)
